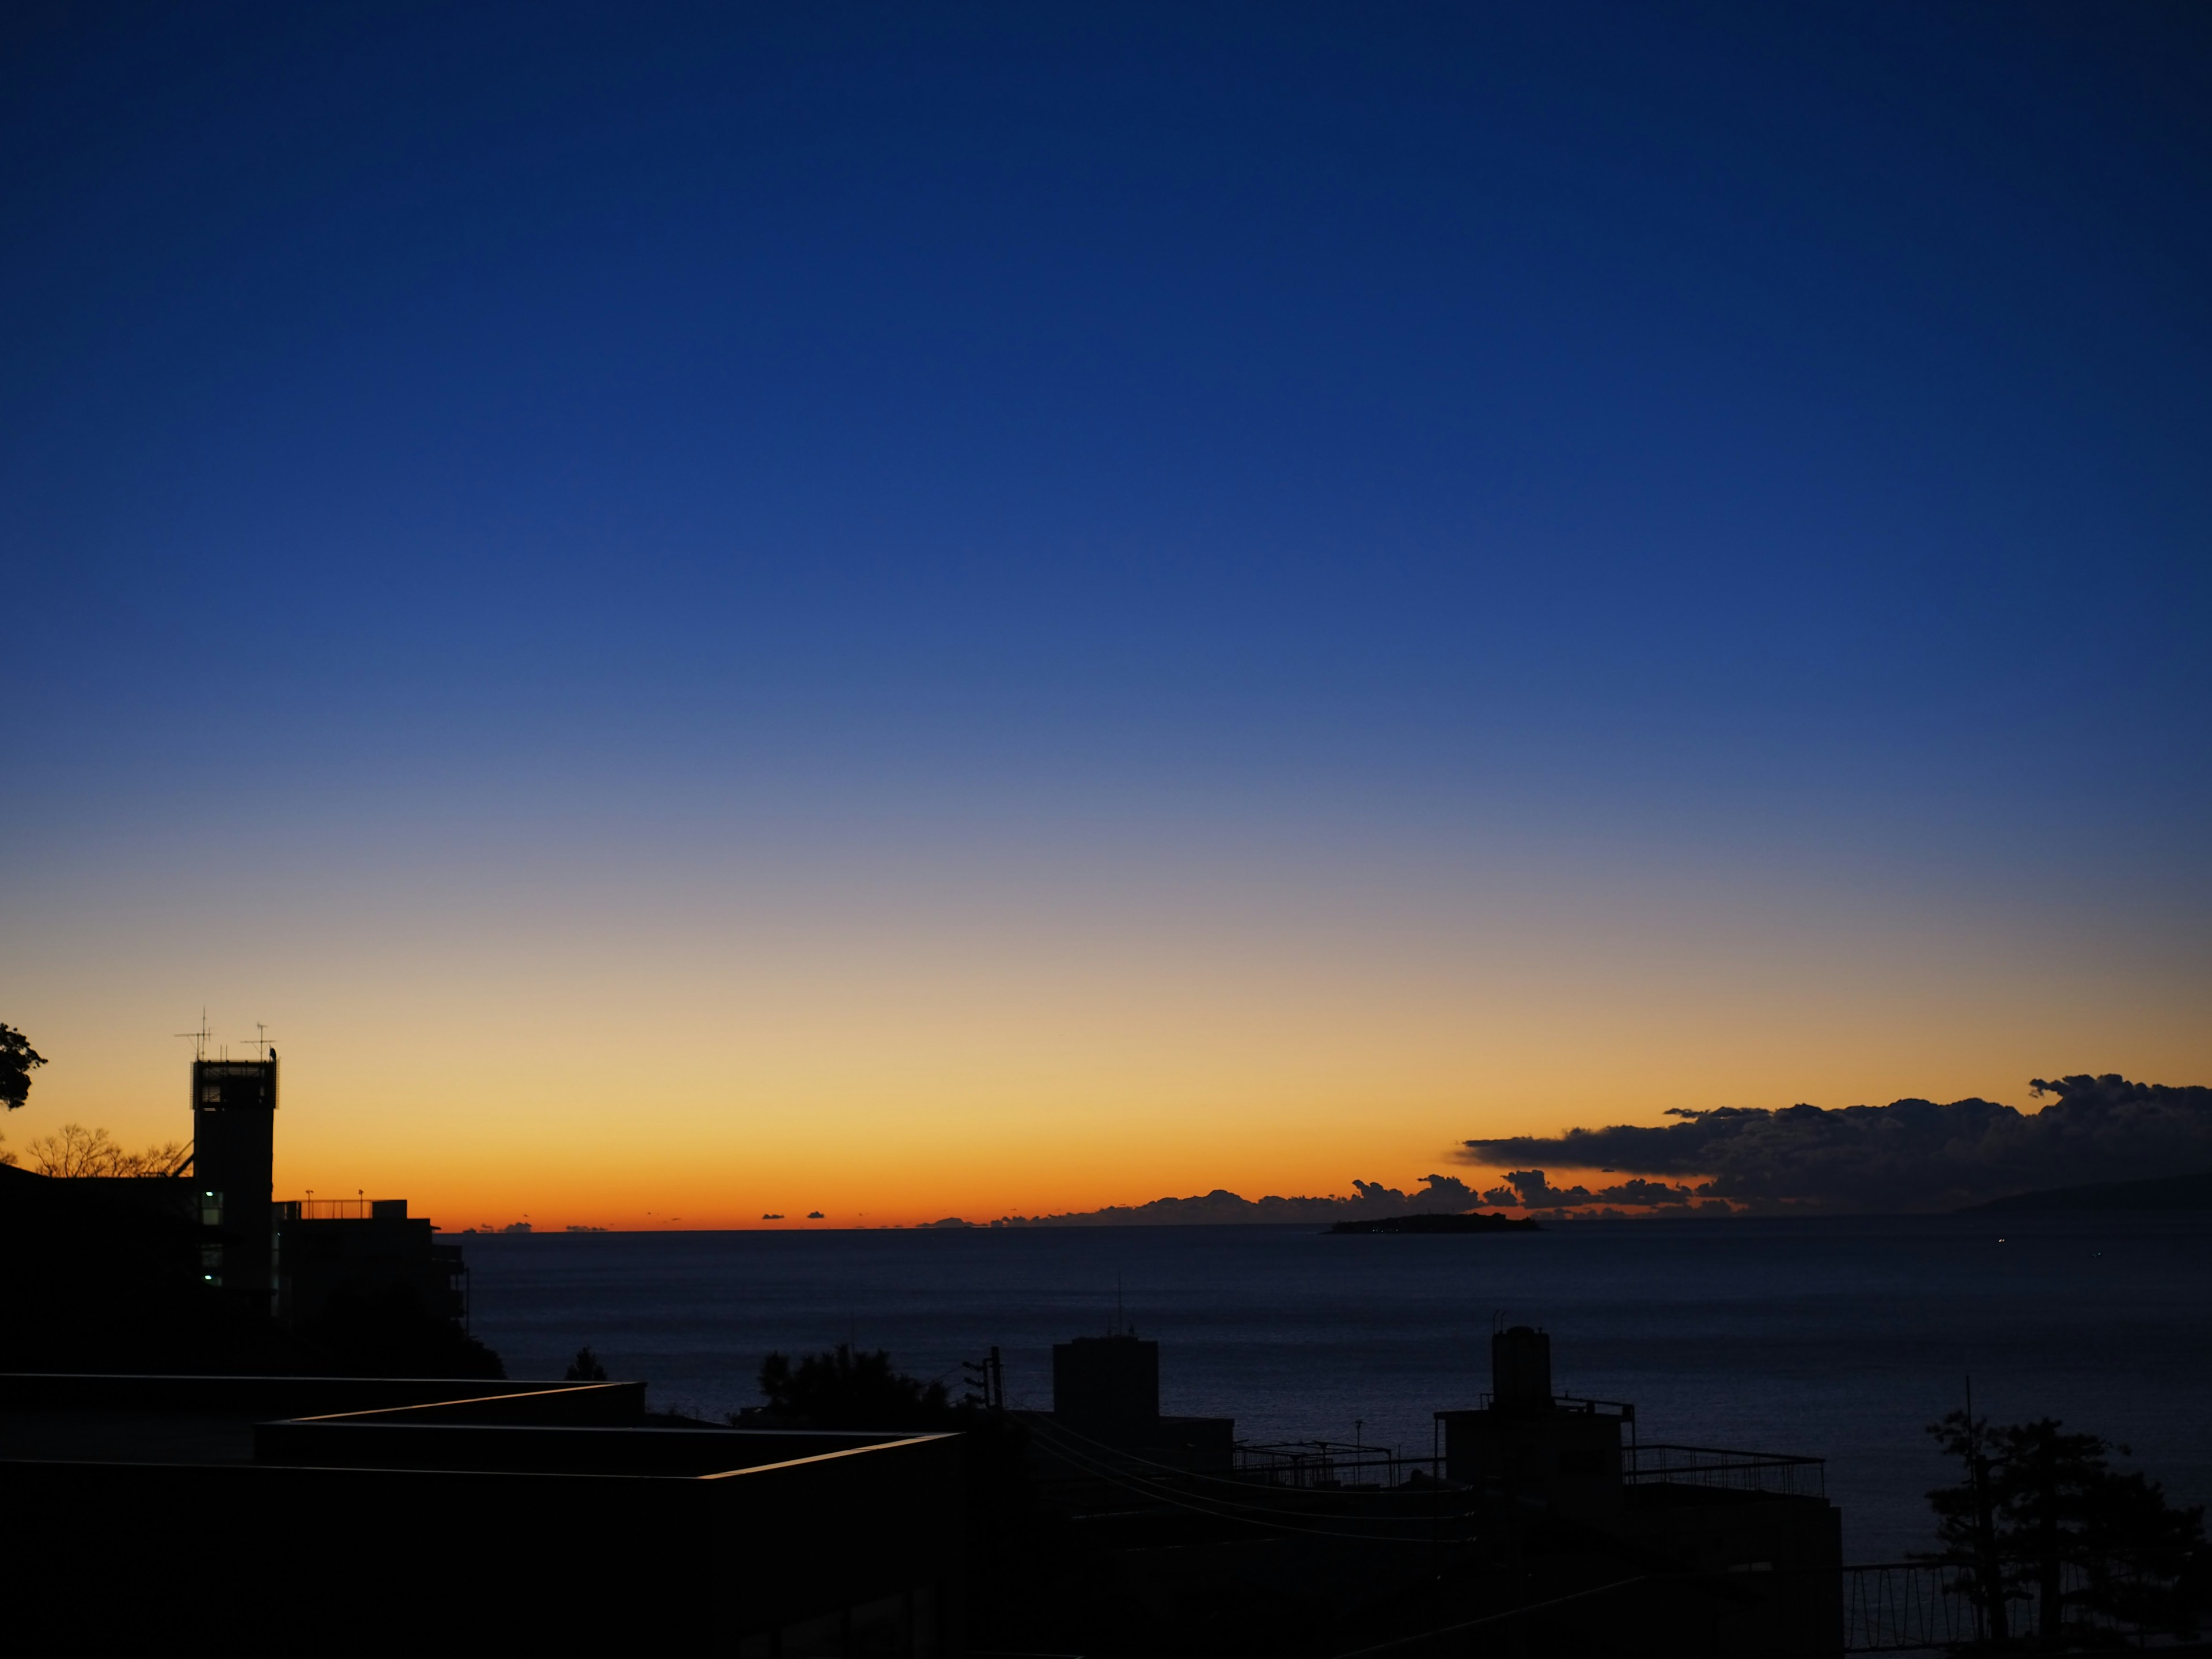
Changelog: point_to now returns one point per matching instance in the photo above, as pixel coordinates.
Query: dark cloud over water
(1908, 1155)
(1370, 1201)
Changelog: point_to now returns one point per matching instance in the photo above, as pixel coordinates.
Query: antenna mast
(199, 1037)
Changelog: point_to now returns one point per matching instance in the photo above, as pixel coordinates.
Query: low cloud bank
(1371, 1201)
(1908, 1155)
(1530, 1189)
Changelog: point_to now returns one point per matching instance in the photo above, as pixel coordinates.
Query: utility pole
(989, 1375)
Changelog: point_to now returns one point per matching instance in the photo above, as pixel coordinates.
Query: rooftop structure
(234, 1151)
(1106, 1395)
(371, 1251)
(1699, 1510)
(301, 1505)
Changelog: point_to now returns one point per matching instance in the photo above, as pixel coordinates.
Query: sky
(997, 609)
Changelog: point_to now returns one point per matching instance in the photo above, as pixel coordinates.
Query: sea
(1841, 1339)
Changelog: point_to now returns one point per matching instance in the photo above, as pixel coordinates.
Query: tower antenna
(199, 1037)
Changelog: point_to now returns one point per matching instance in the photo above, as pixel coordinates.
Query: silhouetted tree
(1010, 1543)
(844, 1389)
(585, 1368)
(2037, 1501)
(18, 1060)
(1966, 1520)
(73, 1150)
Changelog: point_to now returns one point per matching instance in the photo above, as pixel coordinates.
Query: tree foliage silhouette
(2042, 1516)
(18, 1060)
(845, 1389)
(585, 1368)
(73, 1151)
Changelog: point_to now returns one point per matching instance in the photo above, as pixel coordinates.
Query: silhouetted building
(1107, 1386)
(303, 1259)
(176, 1197)
(181, 1510)
(1106, 1390)
(205, 1272)
(1542, 1526)
(1754, 1527)
(373, 1255)
(109, 1274)
(234, 1151)
(1531, 1447)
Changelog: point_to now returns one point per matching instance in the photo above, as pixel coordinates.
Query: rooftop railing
(335, 1209)
(1927, 1606)
(1654, 1463)
(1582, 1405)
(1319, 1465)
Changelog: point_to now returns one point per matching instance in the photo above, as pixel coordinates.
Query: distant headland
(2181, 1192)
(1474, 1223)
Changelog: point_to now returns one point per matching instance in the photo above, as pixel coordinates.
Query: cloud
(1532, 1189)
(1371, 1200)
(1908, 1155)
(1536, 1193)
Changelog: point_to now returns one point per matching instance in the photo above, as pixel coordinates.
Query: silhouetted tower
(1534, 1446)
(1519, 1369)
(1107, 1387)
(234, 1154)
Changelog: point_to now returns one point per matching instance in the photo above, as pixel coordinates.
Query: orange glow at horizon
(496, 1059)
(980, 1091)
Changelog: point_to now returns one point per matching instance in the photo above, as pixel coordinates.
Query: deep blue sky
(1744, 382)
(1733, 424)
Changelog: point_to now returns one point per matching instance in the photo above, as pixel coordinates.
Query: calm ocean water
(1839, 1338)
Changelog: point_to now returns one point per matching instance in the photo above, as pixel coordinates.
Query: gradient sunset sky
(916, 611)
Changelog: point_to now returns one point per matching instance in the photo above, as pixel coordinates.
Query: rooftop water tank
(1520, 1370)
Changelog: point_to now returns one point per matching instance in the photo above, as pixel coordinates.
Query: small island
(1475, 1222)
